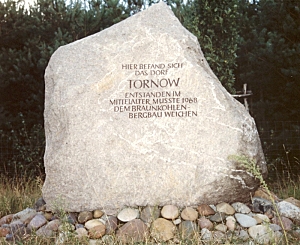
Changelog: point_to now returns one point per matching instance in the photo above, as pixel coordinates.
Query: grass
(20, 193)
(287, 181)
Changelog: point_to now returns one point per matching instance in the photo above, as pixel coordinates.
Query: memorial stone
(134, 116)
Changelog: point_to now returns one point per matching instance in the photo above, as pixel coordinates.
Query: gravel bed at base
(239, 223)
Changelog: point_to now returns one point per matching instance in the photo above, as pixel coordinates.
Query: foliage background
(253, 42)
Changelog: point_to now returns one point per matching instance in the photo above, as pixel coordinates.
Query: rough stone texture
(241, 208)
(287, 224)
(294, 201)
(206, 234)
(261, 234)
(25, 215)
(263, 193)
(6, 219)
(150, 214)
(261, 205)
(205, 210)
(289, 210)
(188, 229)
(20, 234)
(97, 231)
(45, 232)
(54, 224)
(102, 155)
(111, 225)
(133, 231)
(40, 204)
(84, 216)
(163, 229)
(37, 221)
(15, 225)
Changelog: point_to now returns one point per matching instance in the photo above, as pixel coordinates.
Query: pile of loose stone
(256, 222)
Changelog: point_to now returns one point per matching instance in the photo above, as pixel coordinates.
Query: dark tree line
(253, 42)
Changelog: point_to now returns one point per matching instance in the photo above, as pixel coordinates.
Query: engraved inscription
(141, 103)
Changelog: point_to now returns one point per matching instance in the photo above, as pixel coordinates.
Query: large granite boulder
(135, 116)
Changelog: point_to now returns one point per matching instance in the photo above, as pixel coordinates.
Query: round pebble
(286, 223)
(44, 231)
(205, 223)
(189, 214)
(225, 208)
(288, 210)
(84, 216)
(245, 220)
(205, 210)
(221, 227)
(261, 218)
(92, 223)
(97, 214)
(218, 217)
(275, 227)
(128, 214)
(97, 231)
(241, 208)
(54, 224)
(37, 221)
(170, 212)
(25, 215)
(163, 229)
(230, 223)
